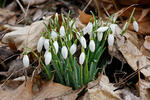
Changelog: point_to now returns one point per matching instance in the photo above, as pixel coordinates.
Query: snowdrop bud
(62, 31)
(135, 26)
(53, 35)
(102, 29)
(56, 15)
(48, 58)
(110, 39)
(99, 36)
(92, 45)
(64, 52)
(82, 58)
(40, 44)
(46, 44)
(56, 46)
(45, 53)
(83, 42)
(73, 48)
(113, 28)
(26, 61)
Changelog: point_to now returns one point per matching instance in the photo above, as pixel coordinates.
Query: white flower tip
(64, 52)
(92, 45)
(102, 29)
(83, 42)
(73, 49)
(82, 58)
(56, 46)
(62, 31)
(48, 58)
(46, 44)
(40, 44)
(26, 61)
(135, 26)
(110, 39)
(99, 36)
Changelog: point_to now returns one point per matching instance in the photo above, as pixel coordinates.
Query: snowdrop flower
(100, 36)
(56, 46)
(53, 35)
(45, 53)
(40, 44)
(64, 52)
(70, 24)
(62, 31)
(102, 29)
(73, 48)
(26, 61)
(113, 28)
(46, 44)
(82, 58)
(92, 45)
(56, 15)
(88, 29)
(48, 58)
(83, 42)
(110, 39)
(135, 26)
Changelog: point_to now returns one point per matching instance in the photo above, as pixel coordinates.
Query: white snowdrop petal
(92, 45)
(110, 39)
(102, 29)
(46, 44)
(64, 52)
(26, 61)
(53, 35)
(99, 36)
(135, 26)
(85, 30)
(48, 58)
(45, 53)
(73, 49)
(82, 58)
(89, 28)
(40, 44)
(62, 31)
(56, 46)
(113, 28)
(83, 42)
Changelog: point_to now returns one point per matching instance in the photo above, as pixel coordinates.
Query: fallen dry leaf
(131, 52)
(7, 16)
(84, 18)
(48, 91)
(26, 36)
(33, 2)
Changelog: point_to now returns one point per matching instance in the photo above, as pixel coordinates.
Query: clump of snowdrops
(67, 55)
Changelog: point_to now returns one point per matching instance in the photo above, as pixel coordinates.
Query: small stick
(87, 5)
(139, 82)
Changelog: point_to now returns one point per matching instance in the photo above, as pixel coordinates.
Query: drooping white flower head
(40, 44)
(113, 28)
(83, 41)
(102, 29)
(26, 61)
(64, 52)
(62, 31)
(48, 58)
(92, 45)
(100, 36)
(70, 24)
(73, 48)
(88, 29)
(135, 26)
(110, 39)
(45, 53)
(56, 46)
(53, 35)
(46, 44)
(82, 58)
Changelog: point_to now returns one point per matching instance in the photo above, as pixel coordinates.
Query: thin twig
(139, 82)
(87, 5)
(21, 6)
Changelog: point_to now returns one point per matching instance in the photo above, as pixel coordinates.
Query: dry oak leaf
(26, 36)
